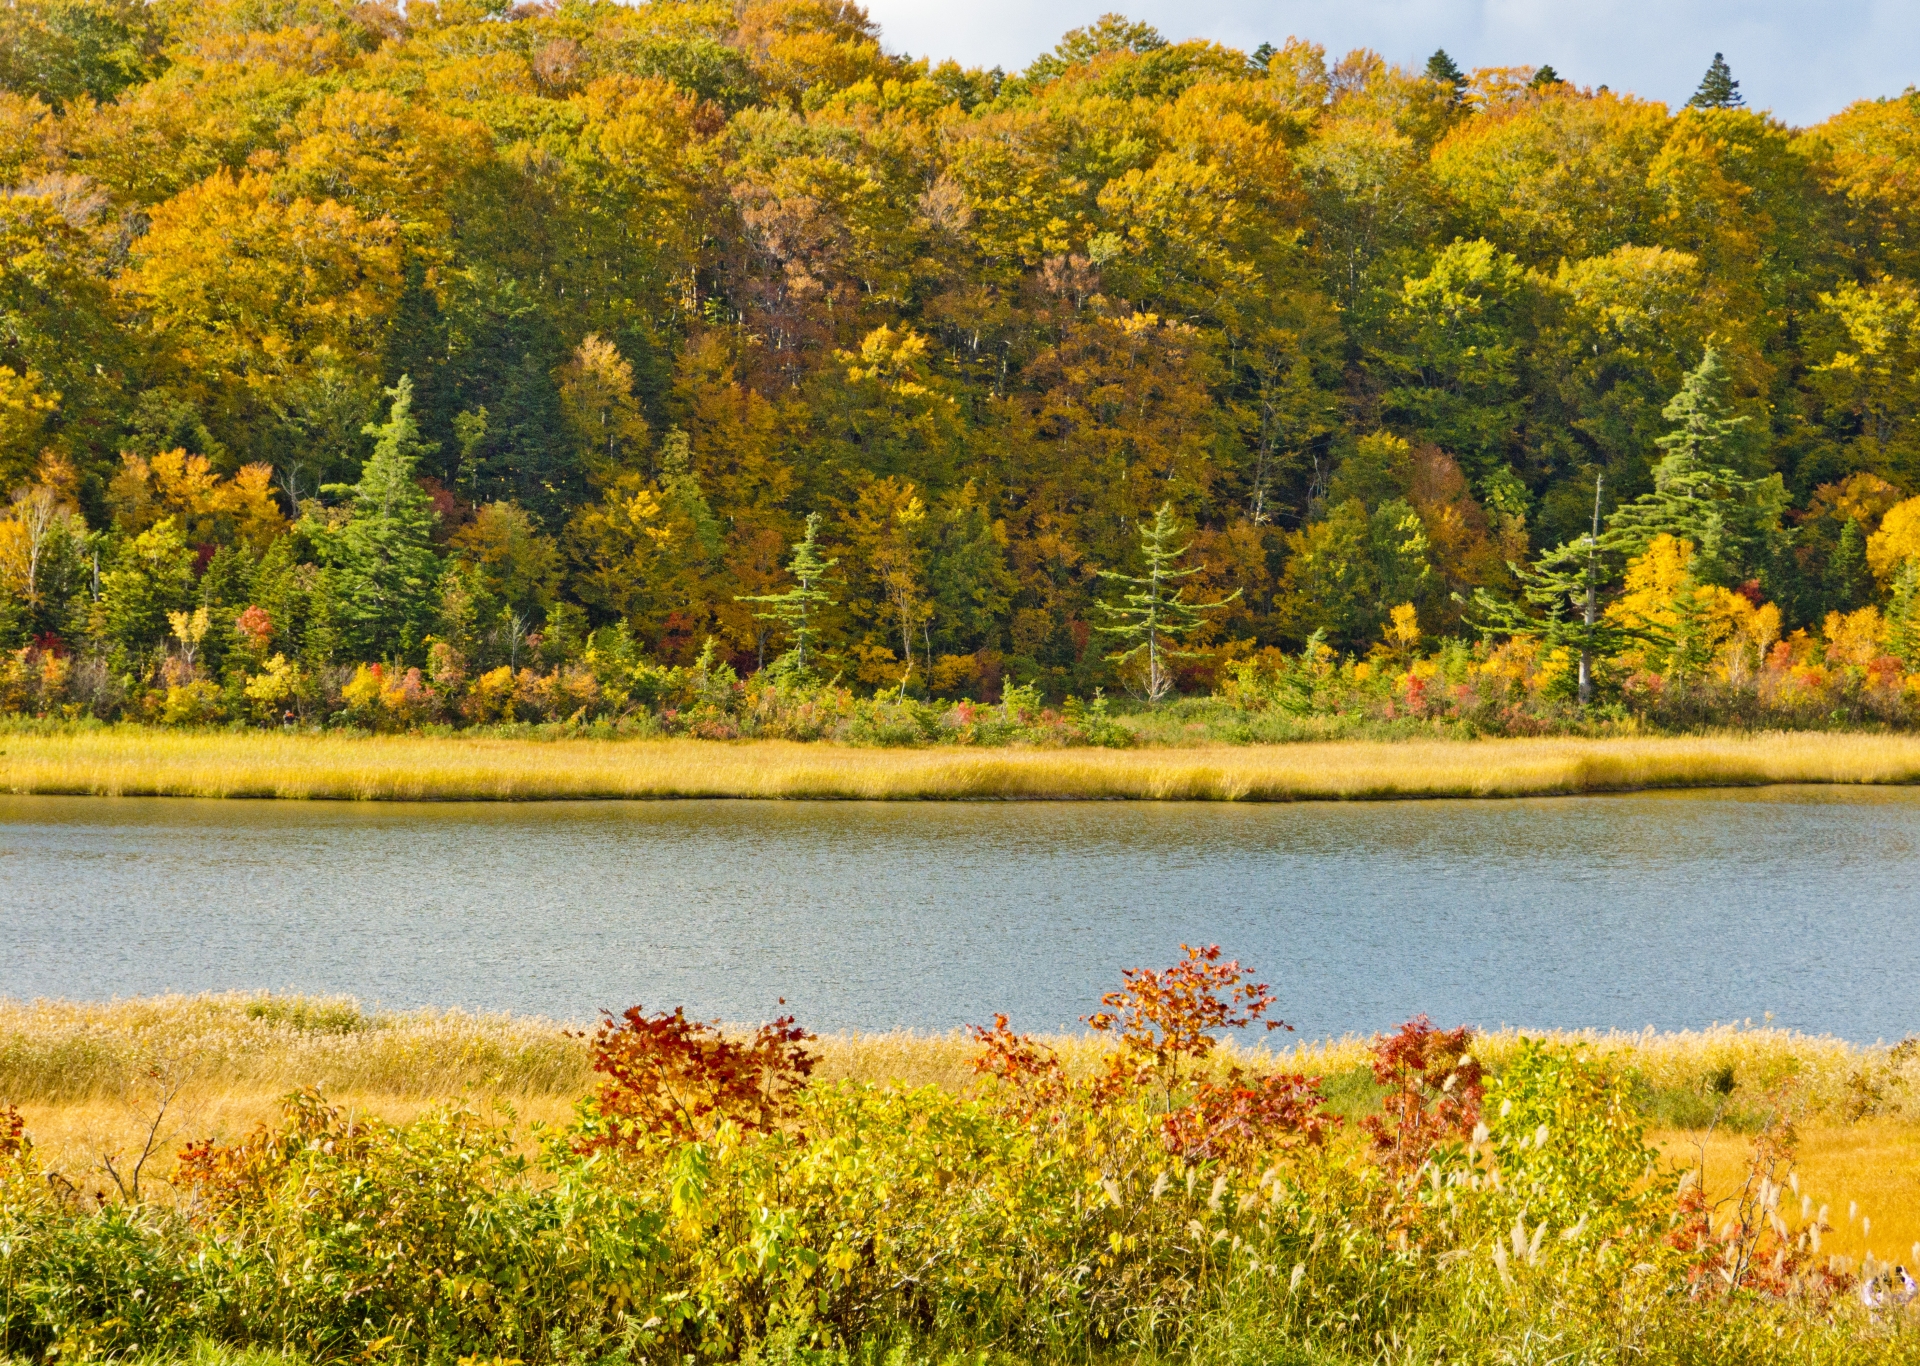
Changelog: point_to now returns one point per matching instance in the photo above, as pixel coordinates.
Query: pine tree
(1848, 583)
(1543, 78)
(1442, 69)
(796, 608)
(383, 554)
(1718, 89)
(1903, 615)
(1155, 615)
(1733, 521)
(1563, 598)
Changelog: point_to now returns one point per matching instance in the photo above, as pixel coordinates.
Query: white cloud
(1802, 60)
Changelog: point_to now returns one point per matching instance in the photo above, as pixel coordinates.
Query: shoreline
(277, 766)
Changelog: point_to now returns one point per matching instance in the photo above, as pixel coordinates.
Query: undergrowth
(1149, 1195)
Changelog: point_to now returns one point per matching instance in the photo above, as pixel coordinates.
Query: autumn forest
(476, 363)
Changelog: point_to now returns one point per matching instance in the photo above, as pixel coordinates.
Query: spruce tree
(1545, 77)
(1718, 89)
(386, 568)
(1848, 583)
(796, 608)
(1442, 69)
(1698, 495)
(1563, 601)
(1155, 615)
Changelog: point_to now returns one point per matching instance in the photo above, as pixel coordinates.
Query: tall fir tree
(798, 608)
(1444, 70)
(383, 555)
(1718, 89)
(1733, 521)
(1155, 615)
(1563, 600)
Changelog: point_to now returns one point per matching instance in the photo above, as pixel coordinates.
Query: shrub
(671, 1079)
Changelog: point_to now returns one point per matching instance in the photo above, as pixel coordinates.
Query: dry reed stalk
(130, 762)
(1871, 1168)
(60, 1052)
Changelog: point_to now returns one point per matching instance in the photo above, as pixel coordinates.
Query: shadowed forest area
(469, 364)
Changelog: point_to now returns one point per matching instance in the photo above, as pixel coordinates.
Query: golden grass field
(135, 762)
(88, 1077)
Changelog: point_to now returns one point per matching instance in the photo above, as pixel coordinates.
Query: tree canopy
(447, 325)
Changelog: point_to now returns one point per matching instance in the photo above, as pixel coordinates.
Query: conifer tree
(1718, 89)
(1155, 615)
(1562, 601)
(1544, 78)
(1442, 69)
(1698, 495)
(796, 608)
(386, 566)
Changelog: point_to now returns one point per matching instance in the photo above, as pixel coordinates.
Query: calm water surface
(1667, 909)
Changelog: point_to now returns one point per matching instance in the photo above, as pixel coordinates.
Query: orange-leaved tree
(1164, 1022)
(664, 1076)
(1434, 1089)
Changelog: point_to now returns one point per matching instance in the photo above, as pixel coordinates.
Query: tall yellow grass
(133, 762)
(61, 1052)
(87, 1078)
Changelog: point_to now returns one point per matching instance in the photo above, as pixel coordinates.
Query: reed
(139, 762)
(87, 1077)
(62, 1052)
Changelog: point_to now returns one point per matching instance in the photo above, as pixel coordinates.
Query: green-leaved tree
(1152, 618)
(387, 572)
(1718, 89)
(1563, 600)
(1698, 496)
(798, 607)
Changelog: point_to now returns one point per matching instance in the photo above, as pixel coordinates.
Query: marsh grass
(127, 761)
(84, 1076)
(54, 1052)
(90, 1069)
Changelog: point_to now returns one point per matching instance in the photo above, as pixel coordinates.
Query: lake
(1668, 909)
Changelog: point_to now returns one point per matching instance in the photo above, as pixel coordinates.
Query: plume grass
(85, 1076)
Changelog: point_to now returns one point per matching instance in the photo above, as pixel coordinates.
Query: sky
(1802, 59)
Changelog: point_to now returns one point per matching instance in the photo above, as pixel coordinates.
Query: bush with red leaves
(1434, 1090)
(668, 1077)
(1165, 1022)
(1028, 1076)
(1247, 1117)
(14, 1143)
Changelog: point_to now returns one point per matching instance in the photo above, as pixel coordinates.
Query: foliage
(670, 1078)
(670, 289)
(712, 1201)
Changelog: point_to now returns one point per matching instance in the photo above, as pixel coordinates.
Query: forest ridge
(333, 334)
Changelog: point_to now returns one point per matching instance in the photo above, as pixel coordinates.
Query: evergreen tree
(1563, 598)
(1903, 615)
(1733, 521)
(1543, 78)
(1718, 89)
(1848, 583)
(1151, 618)
(796, 608)
(387, 571)
(1442, 69)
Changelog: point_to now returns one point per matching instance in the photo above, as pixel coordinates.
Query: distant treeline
(377, 330)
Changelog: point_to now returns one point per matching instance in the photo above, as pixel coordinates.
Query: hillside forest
(472, 362)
